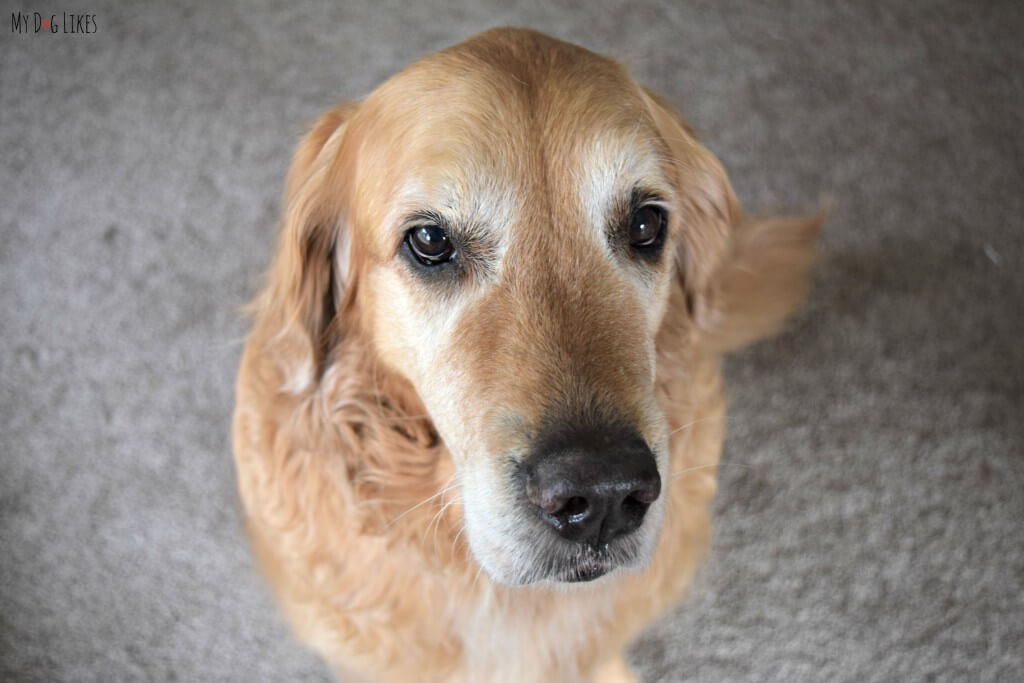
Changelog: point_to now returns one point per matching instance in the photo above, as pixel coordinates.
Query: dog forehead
(495, 133)
(505, 93)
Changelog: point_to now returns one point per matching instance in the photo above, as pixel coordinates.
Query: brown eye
(646, 226)
(430, 244)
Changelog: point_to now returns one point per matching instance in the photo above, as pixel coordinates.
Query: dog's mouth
(550, 560)
(583, 572)
(589, 564)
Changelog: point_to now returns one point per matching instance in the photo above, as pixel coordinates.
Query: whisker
(436, 521)
(676, 475)
(455, 542)
(396, 418)
(448, 487)
(480, 568)
(690, 424)
(232, 343)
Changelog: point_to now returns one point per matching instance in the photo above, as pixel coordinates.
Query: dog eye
(430, 244)
(647, 227)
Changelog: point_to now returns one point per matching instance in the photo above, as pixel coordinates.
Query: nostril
(575, 508)
(647, 491)
(633, 507)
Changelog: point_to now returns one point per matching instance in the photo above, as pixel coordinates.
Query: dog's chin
(584, 571)
(565, 568)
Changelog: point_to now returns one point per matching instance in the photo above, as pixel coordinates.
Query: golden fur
(372, 407)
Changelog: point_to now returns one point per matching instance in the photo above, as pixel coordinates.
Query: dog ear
(763, 280)
(741, 278)
(310, 279)
(708, 206)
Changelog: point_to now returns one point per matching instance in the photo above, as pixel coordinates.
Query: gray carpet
(869, 521)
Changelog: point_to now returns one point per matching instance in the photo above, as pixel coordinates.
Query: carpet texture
(869, 519)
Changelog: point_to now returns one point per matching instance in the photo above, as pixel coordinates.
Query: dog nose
(592, 496)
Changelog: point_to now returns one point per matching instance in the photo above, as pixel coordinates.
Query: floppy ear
(763, 280)
(741, 278)
(309, 280)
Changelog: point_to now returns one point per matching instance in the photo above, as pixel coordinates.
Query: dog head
(510, 223)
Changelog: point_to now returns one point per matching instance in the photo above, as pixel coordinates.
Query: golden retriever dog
(480, 409)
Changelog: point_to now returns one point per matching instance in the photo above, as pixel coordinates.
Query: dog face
(510, 222)
(521, 267)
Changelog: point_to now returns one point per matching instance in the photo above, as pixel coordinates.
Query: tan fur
(361, 448)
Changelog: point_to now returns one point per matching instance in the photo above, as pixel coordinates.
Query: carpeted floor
(870, 520)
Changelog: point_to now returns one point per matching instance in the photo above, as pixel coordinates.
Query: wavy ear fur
(310, 278)
(763, 280)
(741, 278)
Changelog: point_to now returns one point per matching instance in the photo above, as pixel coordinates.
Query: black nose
(591, 494)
